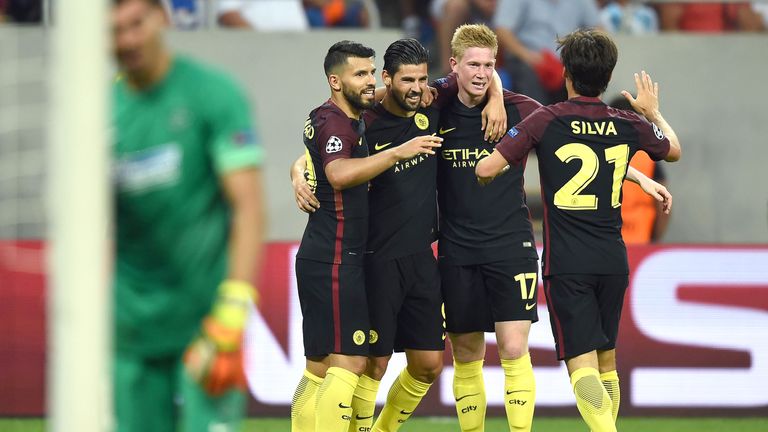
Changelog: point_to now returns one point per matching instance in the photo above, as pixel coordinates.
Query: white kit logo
(333, 145)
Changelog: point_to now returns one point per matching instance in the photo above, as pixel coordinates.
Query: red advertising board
(695, 319)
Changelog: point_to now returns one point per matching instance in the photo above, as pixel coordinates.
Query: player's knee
(428, 371)
(377, 367)
(512, 350)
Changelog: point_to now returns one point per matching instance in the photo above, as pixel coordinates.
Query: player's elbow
(339, 179)
(484, 170)
(674, 154)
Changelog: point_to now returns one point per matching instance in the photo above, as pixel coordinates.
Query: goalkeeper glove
(215, 358)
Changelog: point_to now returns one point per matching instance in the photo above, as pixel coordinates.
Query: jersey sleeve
(234, 141)
(519, 140)
(652, 139)
(447, 89)
(336, 139)
(524, 104)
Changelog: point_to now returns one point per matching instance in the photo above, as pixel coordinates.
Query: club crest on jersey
(333, 145)
(373, 337)
(513, 132)
(658, 132)
(422, 122)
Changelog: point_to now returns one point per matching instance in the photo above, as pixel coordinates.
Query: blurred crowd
(527, 29)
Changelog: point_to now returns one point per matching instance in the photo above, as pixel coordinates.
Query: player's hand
(428, 96)
(305, 199)
(494, 117)
(486, 180)
(658, 191)
(214, 358)
(647, 101)
(425, 144)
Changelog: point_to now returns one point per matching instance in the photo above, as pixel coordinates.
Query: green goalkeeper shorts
(156, 395)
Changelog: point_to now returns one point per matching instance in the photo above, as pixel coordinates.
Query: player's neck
(471, 101)
(153, 74)
(340, 101)
(391, 105)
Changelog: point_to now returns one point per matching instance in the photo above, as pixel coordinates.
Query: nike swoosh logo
(378, 146)
(363, 418)
(404, 412)
(342, 406)
(445, 131)
(517, 391)
(529, 306)
(466, 396)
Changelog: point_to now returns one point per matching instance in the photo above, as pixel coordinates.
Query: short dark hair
(157, 3)
(406, 51)
(589, 57)
(339, 52)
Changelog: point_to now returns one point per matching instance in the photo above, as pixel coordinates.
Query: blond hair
(473, 36)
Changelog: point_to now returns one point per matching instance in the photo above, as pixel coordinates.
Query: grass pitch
(445, 424)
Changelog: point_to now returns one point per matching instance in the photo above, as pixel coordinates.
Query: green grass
(443, 424)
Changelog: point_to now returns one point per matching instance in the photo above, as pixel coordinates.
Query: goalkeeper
(189, 228)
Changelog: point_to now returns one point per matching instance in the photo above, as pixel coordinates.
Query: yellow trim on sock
(469, 369)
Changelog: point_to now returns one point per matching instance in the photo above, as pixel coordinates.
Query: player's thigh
(334, 308)
(512, 289)
(574, 314)
(204, 413)
(385, 292)
(420, 320)
(464, 295)
(145, 391)
(610, 298)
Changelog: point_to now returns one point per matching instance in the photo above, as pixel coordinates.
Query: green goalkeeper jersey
(172, 143)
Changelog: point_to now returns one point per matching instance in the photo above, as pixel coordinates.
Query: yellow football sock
(519, 392)
(303, 404)
(592, 400)
(403, 398)
(469, 392)
(610, 381)
(363, 404)
(334, 400)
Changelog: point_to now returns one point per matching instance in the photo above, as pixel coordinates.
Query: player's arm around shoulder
(647, 104)
(302, 192)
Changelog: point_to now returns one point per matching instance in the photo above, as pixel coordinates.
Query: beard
(356, 99)
(403, 101)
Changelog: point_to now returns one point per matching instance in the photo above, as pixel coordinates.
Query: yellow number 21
(569, 196)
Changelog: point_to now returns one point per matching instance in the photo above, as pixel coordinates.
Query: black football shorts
(333, 307)
(478, 296)
(405, 304)
(584, 311)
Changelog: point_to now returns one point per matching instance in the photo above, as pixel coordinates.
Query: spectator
(262, 14)
(762, 10)
(336, 13)
(709, 17)
(527, 30)
(185, 14)
(629, 17)
(449, 14)
(644, 220)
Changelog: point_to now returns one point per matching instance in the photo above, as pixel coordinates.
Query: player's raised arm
(653, 188)
(305, 199)
(647, 104)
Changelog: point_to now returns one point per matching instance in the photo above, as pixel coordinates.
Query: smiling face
(406, 86)
(474, 71)
(357, 82)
